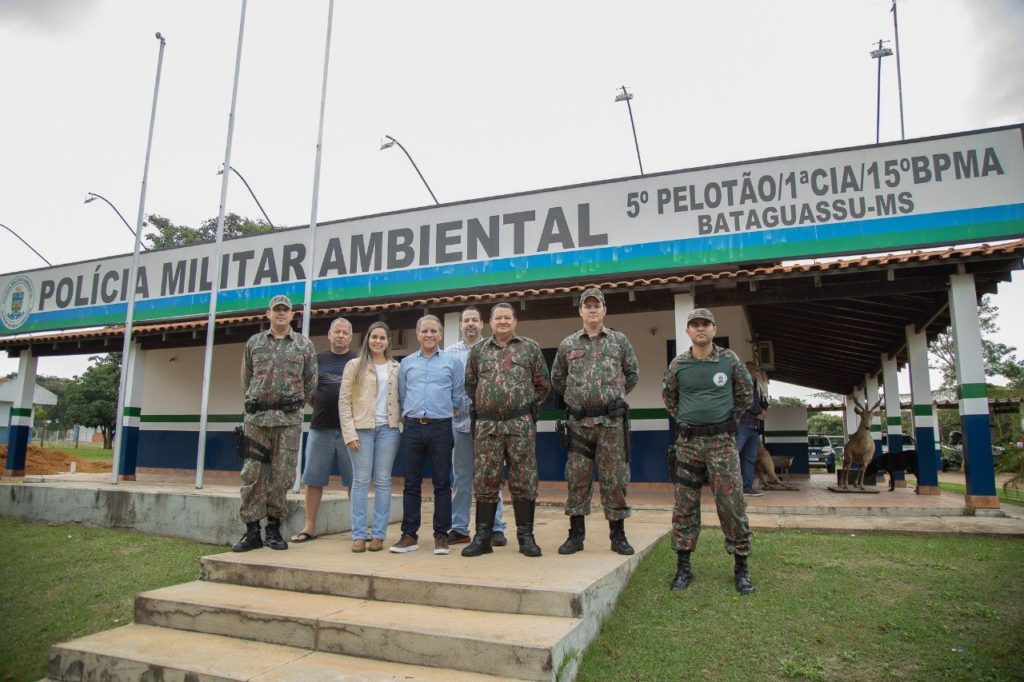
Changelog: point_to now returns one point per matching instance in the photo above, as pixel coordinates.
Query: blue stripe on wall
(17, 447)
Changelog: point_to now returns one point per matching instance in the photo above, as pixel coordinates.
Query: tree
(787, 401)
(92, 397)
(1000, 359)
(53, 417)
(168, 234)
(825, 423)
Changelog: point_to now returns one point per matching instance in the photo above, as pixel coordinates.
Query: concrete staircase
(318, 611)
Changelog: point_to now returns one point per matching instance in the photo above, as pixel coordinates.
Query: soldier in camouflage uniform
(278, 377)
(507, 380)
(594, 369)
(705, 390)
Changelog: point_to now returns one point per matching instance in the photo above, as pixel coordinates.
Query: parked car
(821, 453)
(952, 458)
(908, 443)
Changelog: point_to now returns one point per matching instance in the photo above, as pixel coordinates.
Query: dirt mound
(44, 461)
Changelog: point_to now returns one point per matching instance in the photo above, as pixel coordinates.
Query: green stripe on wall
(779, 434)
(132, 411)
(894, 421)
(973, 391)
(21, 411)
(922, 410)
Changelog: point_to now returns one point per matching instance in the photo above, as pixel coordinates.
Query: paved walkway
(810, 506)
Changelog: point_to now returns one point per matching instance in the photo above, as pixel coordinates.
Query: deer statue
(861, 446)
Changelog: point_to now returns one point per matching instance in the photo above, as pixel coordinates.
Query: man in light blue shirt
(432, 390)
(471, 326)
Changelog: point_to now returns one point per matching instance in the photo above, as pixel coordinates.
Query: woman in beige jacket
(369, 411)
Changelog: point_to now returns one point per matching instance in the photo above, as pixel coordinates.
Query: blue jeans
(420, 443)
(746, 443)
(323, 448)
(462, 485)
(376, 454)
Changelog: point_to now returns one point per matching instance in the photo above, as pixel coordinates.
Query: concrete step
(524, 646)
(142, 652)
(502, 582)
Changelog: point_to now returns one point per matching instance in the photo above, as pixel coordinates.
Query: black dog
(894, 461)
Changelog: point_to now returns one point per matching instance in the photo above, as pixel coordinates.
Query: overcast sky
(488, 98)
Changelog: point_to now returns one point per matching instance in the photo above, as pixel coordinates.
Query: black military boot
(251, 539)
(524, 527)
(742, 575)
(577, 533)
(684, 574)
(481, 543)
(618, 537)
(274, 539)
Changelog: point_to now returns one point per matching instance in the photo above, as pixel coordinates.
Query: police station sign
(958, 188)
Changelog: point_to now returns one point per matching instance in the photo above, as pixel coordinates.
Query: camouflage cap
(700, 314)
(280, 299)
(592, 292)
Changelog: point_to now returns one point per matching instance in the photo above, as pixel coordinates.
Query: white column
(973, 393)
(925, 423)
(21, 414)
(893, 423)
(683, 306)
(451, 328)
(871, 397)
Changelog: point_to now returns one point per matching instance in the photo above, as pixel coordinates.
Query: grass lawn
(842, 606)
(86, 451)
(1012, 496)
(829, 606)
(62, 582)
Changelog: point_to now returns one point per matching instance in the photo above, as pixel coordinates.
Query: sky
(488, 98)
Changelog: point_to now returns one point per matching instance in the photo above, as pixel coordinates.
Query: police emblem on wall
(16, 303)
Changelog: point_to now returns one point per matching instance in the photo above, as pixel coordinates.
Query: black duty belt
(691, 430)
(253, 406)
(425, 420)
(495, 417)
(616, 408)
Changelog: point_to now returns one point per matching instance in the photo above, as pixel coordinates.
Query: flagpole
(307, 299)
(126, 351)
(211, 318)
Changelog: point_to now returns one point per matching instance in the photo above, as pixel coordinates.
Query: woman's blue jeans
(375, 456)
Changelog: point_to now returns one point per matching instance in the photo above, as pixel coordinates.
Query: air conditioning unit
(765, 355)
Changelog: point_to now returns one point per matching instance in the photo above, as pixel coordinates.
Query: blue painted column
(973, 393)
(21, 415)
(893, 421)
(923, 411)
(132, 415)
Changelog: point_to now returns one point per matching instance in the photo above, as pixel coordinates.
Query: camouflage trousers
(711, 459)
(492, 453)
(264, 486)
(612, 472)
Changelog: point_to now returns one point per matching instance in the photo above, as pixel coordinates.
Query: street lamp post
(626, 96)
(92, 196)
(26, 244)
(126, 353)
(389, 142)
(899, 75)
(879, 54)
(251, 193)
